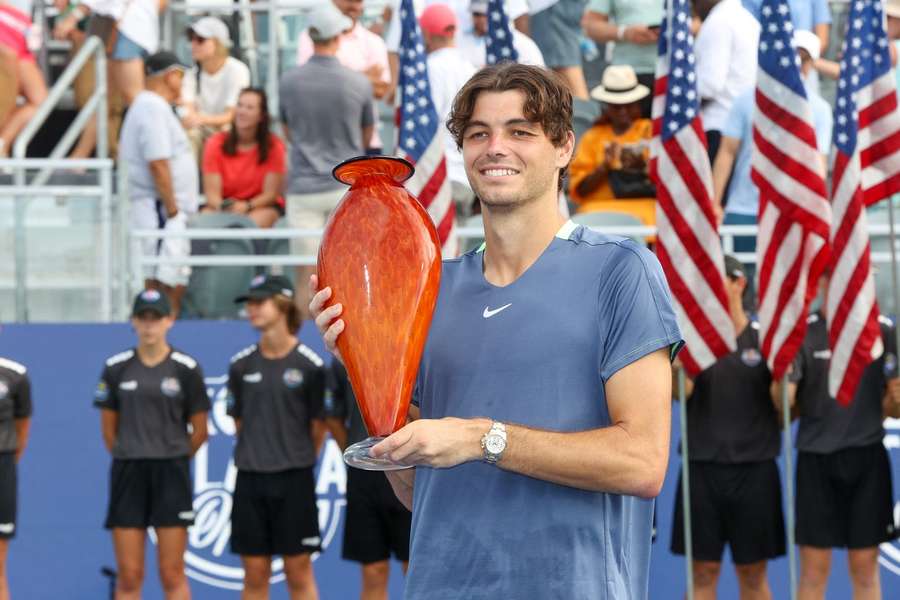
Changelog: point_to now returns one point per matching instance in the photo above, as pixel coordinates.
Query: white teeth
(499, 172)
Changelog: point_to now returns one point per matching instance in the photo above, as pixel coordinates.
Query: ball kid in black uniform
(15, 419)
(153, 405)
(377, 524)
(276, 388)
(844, 490)
(733, 440)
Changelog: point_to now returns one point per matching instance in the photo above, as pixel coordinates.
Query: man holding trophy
(544, 388)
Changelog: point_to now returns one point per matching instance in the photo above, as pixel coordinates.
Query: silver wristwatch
(493, 443)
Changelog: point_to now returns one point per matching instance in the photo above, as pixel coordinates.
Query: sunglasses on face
(196, 38)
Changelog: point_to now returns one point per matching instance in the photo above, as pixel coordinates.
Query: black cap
(159, 63)
(266, 286)
(152, 300)
(734, 268)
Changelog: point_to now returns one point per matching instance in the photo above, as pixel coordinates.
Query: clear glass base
(357, 456)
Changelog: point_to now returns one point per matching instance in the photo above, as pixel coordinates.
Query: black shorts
(738, 505)
(845, 499)
(377, 523)
(8, 491)
(275, 513)
(150, 492)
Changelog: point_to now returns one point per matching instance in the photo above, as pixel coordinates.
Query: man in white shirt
(472, 42)
(448, 71)
(162, 172)
(362, 51)
(726, 61)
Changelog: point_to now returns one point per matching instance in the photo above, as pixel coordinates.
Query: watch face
(495, 444)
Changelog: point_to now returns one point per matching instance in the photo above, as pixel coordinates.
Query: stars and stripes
(499, 45)
(688, 243)
(866, 169)
(794, 214)
(420, 138)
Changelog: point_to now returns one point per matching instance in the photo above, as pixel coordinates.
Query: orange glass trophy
(381, 257)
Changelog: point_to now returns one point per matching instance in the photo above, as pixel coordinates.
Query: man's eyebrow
(509, 123)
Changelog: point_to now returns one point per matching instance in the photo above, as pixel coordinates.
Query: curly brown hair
(548, 101)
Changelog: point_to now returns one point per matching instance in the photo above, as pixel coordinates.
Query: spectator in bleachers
(733, 160)
(162, 172)
(726, 61)
(448, 71)
(329, 117)
(806, 15)
(609, 169)
(15, 28)
(210, 90)
(359, 50)
(243, 168)
(472, 41)
(556, 29)
(633, 26)
(135, 37)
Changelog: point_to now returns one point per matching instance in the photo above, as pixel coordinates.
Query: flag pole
(686, 488)
(789, 485)
(894, 285)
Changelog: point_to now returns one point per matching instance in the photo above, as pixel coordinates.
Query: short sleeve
(277, 162)
(105, 392)
(241, 81)
(738, 116)
(234, 401)
(212, 155)
(197, 396)
(336, 392)
(314, 393)
(635, 312)
(22, 399)
(155, 137)
(821, 13)
(603, 7)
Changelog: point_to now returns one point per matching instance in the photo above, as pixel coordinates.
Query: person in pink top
(362, 51)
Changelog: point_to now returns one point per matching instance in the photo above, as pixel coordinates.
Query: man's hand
(440, 443)
(191, 120)
(327, 321)
(893, 391)
(641, 35)
(613, 155)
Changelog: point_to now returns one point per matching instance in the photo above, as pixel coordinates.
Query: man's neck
(325, 49)
(516, 239)
(161, 91)
(213, 65)
(152, 355)
(276, 342)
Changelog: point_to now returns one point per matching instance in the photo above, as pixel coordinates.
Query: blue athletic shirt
(536, 352)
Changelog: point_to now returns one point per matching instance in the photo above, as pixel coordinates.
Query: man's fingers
(331, 335)
(391, 443)
(319, 298)
(325, 317)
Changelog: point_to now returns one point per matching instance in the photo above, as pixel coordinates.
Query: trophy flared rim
(398, 169)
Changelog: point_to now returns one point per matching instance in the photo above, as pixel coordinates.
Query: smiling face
(509, 160)
(248, 112)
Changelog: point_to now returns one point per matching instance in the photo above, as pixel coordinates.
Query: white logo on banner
(209, 558)
(889, 557)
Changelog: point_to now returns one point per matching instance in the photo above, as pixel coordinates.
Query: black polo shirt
(275, 399)
(731, 418)
(340, 403)
(825, 425)
(15, 401)
(154, 404)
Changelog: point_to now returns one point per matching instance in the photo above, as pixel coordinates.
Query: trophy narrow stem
(357, 456)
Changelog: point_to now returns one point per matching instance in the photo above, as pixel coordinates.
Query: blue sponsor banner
(61, 545)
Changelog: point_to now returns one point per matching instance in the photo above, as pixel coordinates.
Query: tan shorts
(310, 211)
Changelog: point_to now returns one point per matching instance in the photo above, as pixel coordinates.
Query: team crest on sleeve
(293, 378)
(4, 390)
(170, 387)
(101, 393)
(751, 357)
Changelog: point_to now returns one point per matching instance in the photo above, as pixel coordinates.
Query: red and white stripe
(688, 244)
(431, 186)
(794, 218)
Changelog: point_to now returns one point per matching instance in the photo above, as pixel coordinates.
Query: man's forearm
(22, 428)
(162, 179)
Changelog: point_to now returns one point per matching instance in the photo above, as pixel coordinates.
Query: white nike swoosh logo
(253, 377)
(488, 313)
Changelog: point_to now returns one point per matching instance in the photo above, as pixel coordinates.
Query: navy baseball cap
(734, 268)
(266, 286)
(161, 62)
(151, 300)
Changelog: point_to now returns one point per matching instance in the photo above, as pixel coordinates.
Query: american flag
(794, 214)
(499, 44)
(420, 139)
(866, 170)
(688, 244)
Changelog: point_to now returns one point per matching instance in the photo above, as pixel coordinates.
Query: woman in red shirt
(244, 168)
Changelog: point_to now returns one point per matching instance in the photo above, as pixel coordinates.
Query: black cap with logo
(734, 268)
(153, 301)
(266, 286)
(162, 61)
